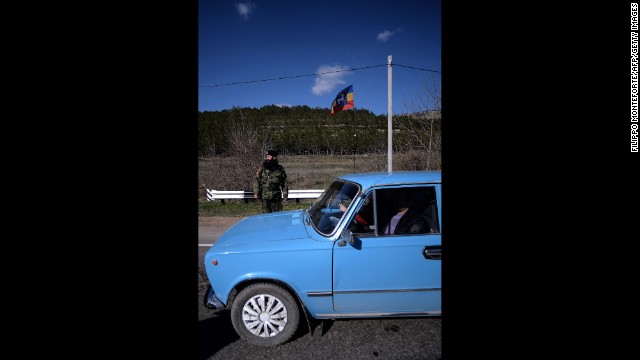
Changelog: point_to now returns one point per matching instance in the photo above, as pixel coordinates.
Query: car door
(389, 274)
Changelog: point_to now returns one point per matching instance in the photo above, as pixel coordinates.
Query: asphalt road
(402, 338)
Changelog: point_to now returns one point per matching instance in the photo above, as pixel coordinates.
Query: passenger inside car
(409, 210)
(408, 218)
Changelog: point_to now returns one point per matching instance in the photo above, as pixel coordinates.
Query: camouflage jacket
(271, 184)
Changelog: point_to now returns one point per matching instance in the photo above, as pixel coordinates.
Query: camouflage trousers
(271, 205)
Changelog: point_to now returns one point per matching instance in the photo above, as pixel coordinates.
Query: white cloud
(385, 35)
(244, 9)
(326, 83)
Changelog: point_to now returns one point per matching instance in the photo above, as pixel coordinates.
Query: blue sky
(246, 42)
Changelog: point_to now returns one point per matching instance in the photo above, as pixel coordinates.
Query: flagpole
(354, 139)
(389, 122)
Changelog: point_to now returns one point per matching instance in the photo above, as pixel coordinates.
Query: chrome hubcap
(264, 315)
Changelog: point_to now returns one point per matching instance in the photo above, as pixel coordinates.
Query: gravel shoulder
(211, 227)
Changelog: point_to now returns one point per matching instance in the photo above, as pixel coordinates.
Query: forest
(301, 130)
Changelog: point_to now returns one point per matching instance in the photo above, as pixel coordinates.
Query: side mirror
(347, 237)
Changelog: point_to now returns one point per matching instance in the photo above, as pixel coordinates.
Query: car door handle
(431, 252)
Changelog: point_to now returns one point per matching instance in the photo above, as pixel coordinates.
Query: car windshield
(326, 212)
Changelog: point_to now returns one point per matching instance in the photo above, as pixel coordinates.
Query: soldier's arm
(257, 188)
(283, 185)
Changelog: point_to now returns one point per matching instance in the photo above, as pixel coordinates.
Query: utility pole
(389, 121)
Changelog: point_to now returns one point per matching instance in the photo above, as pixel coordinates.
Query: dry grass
(303, 171)
(318, 171)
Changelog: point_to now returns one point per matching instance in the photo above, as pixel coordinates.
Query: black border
(127, 276)
(535, 118)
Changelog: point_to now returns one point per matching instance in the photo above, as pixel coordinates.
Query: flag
(343, 101)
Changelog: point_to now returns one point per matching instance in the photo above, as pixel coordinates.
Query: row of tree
(305, 130)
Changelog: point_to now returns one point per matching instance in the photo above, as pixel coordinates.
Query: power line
(291, 77)
(411, 67)
(298, 76)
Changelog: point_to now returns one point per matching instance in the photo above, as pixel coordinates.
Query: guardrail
(223, 195)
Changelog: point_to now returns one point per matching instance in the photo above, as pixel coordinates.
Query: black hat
(272, 152)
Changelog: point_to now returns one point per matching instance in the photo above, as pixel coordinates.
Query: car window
(401, 211)
(326, 212)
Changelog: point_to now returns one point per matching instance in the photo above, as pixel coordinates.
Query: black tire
(271, 315)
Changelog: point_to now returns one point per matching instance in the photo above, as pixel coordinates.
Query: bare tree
(245, 152)
(420, 130)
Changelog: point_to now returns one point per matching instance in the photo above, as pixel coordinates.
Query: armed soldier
(270, 186)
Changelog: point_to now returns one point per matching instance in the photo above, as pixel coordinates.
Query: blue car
(368, 247)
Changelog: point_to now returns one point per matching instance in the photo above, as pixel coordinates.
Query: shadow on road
(214, 334)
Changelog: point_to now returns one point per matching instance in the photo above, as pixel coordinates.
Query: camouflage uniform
(270, 186)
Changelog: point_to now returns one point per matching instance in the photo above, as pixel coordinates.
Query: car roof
(367, 180)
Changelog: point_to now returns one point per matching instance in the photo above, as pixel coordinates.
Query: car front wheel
(265, 314)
